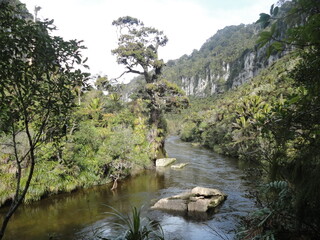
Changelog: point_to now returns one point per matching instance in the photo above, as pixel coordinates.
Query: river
(85, 214)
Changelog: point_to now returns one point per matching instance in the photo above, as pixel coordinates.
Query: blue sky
(187, 23)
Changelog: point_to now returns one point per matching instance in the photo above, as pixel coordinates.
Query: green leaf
(264, 38)
(264, 20)
(275, 11)
(278, 46)
(271, 9)
(294, 100)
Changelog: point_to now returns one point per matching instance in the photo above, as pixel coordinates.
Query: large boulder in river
(163, 162)
(199, 199)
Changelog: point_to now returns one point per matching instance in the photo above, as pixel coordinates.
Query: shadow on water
(84, 214)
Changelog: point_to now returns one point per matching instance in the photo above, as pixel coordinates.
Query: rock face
(199, 199)
(230, 74)
(163, 162)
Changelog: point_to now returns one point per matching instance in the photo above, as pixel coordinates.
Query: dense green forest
(58, 133)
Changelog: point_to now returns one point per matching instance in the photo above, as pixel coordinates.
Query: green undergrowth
(105, 144)
(229, 123)
(271, 121)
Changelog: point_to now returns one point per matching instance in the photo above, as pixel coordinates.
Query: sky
(187, 24)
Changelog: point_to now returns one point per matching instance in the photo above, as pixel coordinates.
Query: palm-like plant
(136, 227)
(95, 108)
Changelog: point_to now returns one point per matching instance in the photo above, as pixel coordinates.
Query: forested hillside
(228, 59)
(272, 121)
(207, 71)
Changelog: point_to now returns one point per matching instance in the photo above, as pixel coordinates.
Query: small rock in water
(179, 166)
(208, 192)
(163, 162)
(171, 204)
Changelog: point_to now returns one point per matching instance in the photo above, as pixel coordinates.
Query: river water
(85, 214)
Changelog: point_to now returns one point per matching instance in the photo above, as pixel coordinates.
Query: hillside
(208, 70)
(226, 60)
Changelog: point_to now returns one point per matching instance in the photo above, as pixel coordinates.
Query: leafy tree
(38, 75)
(138, 48)
(102, 83)
(138, 51)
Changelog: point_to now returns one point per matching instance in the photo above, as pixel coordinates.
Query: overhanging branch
(130, 70)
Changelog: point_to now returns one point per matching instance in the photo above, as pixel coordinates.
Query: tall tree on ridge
(138, 50)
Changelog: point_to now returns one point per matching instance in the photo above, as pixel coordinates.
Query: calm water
(86, 214)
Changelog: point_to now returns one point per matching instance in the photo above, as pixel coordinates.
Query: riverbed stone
(200, 205)
(184, 196)
(179, 166)
(194, 199)
(172, 204)
(216, 200)
(202, 191)
(198, 199)
(163, 162)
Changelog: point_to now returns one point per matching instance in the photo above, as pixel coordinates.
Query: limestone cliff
(227, 60)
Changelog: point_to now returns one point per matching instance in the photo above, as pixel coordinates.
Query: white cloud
(186, 23)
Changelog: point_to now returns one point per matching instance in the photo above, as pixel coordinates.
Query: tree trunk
(18, 198)
(157, 135)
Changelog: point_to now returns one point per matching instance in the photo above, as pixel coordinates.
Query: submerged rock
(173, 204)
(207, 192)
(179, 166)
(199, 199)
(163, 162)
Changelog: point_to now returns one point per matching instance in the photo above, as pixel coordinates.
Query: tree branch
(130, 70)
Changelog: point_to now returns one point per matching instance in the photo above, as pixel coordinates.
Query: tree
(138, 48)
(138, 51)
(38, 74)
(102, 83)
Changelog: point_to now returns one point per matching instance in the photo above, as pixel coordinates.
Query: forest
(59, 133)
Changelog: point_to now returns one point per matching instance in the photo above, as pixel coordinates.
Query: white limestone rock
(163, 162)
